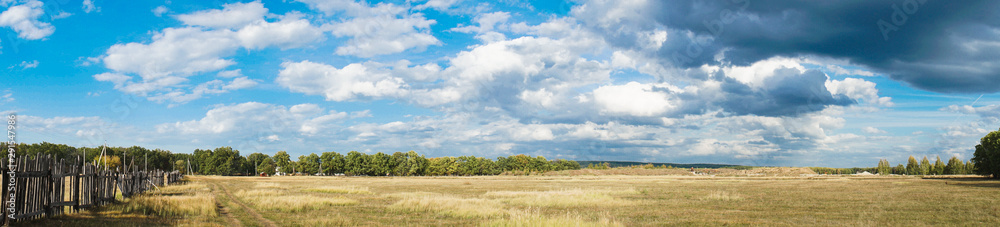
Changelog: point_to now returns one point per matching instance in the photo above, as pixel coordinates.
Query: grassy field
(612, 200)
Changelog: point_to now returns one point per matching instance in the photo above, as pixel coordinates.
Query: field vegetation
(571, 198)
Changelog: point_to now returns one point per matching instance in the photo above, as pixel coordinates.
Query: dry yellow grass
(564, 198)
(280, 200)
(342, 190)
(448, 205)
(325, 222)
(723, 196)
(192, 199)
(254, 193)
(183, 188)
(579, 201)
(270, 185)
(534, 219)
(196, 205)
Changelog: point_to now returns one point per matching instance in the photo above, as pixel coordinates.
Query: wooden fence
(45, 186)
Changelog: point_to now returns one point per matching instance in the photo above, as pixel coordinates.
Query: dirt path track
(252, 212)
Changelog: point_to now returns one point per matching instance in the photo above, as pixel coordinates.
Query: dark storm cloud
(787, 93)
(942, 46)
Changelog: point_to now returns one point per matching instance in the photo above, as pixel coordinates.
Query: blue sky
(739, 82)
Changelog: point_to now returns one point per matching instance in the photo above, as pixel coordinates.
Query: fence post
(76, 185)
(48, 184)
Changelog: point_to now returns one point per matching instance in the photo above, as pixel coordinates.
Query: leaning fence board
(46, 187)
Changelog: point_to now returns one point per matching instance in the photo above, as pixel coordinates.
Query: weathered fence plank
(45, 187)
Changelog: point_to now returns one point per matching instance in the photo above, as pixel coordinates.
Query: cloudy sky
(751, 82)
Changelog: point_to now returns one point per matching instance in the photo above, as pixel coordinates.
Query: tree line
(955, 166)
(114, 157)
(410, 163)
(228, 161)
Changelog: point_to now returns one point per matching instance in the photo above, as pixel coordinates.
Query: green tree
(925, 166)
(355, 163)
(112, 162)
(467, 165)
(283, 161)
(899, 169)
(201, 161)
(434, 167)
(955, 166)
(884, 168)
(257, 158)
(970, 168)
(308, 164)
(381, 164)
(267, 166)
(158, 159)
(518, 163)
(938, 167)
(409, 164)
(180, 165)
(293, 167)
(402, 166)
(912, 166)
(254, 160)
(573, 165)
(418, 163)
(442, 166)
(489, 167)
(224, 161)
(540, 164)
(986, 159)
(333, 162)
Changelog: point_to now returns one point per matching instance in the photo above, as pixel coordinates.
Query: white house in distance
(277, 171)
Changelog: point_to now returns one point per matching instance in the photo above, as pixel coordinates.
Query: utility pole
(101, 159)
(189, 166)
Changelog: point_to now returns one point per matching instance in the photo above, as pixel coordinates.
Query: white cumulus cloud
(164, 65)
(24, 19)
(378, 29)
(634, 99)
(233, 15)
(347, 83)
(88, 6)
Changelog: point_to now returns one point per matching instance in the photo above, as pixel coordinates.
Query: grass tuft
(533, 219)
(270, 185)
(278, 200)
(448, 205)
(564, 198)
(723, 196)
(342, 190)
(180, 200)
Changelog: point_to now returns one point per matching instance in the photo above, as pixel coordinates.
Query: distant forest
(616, 164)
(228, 161)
